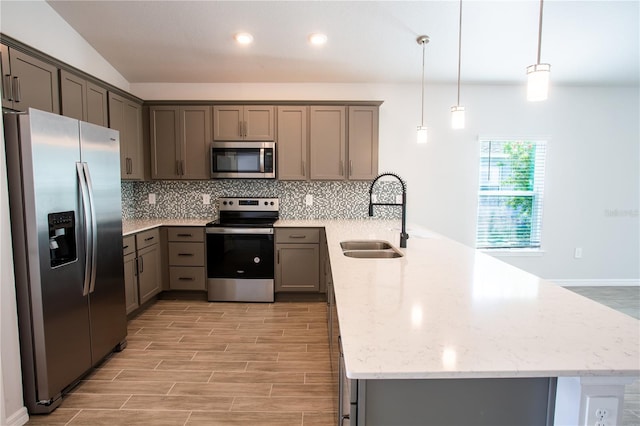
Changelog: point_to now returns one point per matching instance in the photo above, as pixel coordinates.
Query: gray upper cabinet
(83, 100)
(293, 143)
(180, 138)
(28, 82)
(126, 116)
(363, 142)
(343, 142)
(327, 138)
(243, 123)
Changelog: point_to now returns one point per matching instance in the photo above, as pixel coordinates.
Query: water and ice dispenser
(62, 238)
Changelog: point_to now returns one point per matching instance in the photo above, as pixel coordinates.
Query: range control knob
(230, 203)
(266, 203)
(224, 203)
(272, 203)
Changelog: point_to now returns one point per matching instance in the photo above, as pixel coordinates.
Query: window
(510, 194)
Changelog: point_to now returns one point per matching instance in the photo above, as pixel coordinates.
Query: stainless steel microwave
(243, 160)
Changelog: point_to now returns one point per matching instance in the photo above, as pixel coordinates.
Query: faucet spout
(403, 232)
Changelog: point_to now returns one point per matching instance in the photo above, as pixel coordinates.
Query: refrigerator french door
(65, 203)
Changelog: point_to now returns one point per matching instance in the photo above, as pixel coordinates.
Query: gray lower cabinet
(297, 266)
(143, 278)
(28, 82)
(83, 100)
(130, 273)
(186, 258)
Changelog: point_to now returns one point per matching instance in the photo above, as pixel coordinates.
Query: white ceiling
(586, 42)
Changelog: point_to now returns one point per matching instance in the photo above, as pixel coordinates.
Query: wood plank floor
(197, 363)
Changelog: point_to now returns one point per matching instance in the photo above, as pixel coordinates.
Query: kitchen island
(446, 321)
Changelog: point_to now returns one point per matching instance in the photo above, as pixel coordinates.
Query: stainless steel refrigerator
(66, 222)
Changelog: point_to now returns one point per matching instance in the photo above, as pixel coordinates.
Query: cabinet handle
(278, 257)
(184, 235)
(240, 128)
(149, 238)
(244, 129)
(140, 265)
(130, 165)
(16, 89)
(185, 254)
(185, 278)
(341, 168)
(177, 167)
(298, 236)
(350, 168)
(7, 88)
(137, 266)
(182, 167)
(126, 165)
(125, 247)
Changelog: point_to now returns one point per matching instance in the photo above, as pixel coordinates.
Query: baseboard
(598, 283)
(18, 418)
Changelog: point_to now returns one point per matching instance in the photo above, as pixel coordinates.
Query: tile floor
(197, 363)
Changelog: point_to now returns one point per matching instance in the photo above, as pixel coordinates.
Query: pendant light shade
(538, 74)
(422, 129)
(457, 111)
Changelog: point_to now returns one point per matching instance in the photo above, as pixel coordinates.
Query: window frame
(537, 194)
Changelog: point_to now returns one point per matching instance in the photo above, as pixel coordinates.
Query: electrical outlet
(398, 199)
(152, 198)
(578, 253)
(308, 200)
(206, 199)
(602, 411)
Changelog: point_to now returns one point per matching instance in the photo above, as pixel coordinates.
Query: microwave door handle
(261, 160)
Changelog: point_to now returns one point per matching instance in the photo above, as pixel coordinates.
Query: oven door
(240, 264)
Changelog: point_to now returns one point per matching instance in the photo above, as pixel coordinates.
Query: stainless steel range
(240, 250)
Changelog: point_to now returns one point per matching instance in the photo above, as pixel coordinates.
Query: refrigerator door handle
(90, 228)
(94, 230)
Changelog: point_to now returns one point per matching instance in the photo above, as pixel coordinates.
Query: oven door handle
(250, 231)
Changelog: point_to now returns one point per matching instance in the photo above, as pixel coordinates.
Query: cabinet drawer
(128, 244)
(186, 254)
(147, 238)
(186, 278)
(297, 235)
(184, 233)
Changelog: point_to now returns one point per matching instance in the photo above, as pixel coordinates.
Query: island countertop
(445, 310)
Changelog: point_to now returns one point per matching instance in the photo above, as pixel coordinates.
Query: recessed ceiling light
(318, 39)
(244, 38)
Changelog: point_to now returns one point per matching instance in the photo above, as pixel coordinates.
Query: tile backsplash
(331, 200)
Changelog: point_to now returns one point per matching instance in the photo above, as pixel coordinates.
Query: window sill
(514, 252)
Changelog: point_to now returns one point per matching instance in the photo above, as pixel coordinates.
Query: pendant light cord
(460, 51)
(422, 104)
(539, 31)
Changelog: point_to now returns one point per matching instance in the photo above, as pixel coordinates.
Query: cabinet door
(165, 145)
(363, 142)
(131, 282)
(133, 131)
(195, 127)
(34, 83)
(5, 73)
(327, 142)
(227, 123)
(292, 143)
(259, 123)
(73, 94)
(149, 272)
(97, 111)
(126, 117)
(297, 267)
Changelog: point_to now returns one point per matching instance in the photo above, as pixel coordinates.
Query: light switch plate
(152, 198)
(206, 199)
(308, 200)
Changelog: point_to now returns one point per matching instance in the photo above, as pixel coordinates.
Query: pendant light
(457, 111)
(422, 129)
(538, 74)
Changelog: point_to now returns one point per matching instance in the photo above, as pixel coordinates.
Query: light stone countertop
(445, 310)
(133, 226)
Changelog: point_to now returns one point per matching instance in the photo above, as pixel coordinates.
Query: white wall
(592, 165)
(36, 24)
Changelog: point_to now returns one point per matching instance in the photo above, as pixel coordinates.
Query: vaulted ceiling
(586, 42)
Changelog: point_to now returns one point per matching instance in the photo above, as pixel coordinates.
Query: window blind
(510, 194)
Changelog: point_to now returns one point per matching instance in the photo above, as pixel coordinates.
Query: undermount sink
(365, 245)
(369, 249)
